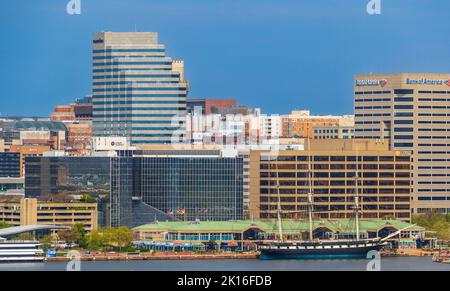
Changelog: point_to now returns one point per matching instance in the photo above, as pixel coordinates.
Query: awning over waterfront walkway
(27, 228)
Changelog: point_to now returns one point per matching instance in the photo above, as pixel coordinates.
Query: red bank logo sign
(374, 82)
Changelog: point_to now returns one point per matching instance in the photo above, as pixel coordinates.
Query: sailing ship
(316, 248)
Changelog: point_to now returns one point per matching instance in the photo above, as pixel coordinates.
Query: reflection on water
(387, 264)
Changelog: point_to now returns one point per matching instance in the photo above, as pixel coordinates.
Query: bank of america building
(138, 92)
(411, 112)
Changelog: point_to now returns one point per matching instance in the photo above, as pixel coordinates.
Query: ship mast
(310, 194)
(357, 194)
(280, 226)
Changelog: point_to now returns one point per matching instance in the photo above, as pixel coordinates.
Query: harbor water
(386, 264)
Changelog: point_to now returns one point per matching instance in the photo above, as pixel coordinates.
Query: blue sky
(275, 54)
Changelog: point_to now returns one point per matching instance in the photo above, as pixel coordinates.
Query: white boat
(20, 251)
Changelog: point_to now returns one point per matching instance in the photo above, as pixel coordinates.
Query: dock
(409, 253)
(159, 256)
(442, 257)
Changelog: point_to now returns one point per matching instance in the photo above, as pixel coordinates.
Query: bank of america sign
(425, 81)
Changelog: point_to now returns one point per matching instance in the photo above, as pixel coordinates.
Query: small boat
(20, 251)
(443, 257)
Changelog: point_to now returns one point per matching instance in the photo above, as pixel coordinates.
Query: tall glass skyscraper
(138, 92)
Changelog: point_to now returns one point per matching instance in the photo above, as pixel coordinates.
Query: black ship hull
(319, 250)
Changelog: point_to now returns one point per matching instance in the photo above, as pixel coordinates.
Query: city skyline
(327, 54)
(225, 135)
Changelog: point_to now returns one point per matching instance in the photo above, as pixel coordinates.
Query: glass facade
(67, 175)
(183, 188)
(121, 196)
(10, 165)
(47, 176)
(10, 184)
(134, 82)
(193, 188)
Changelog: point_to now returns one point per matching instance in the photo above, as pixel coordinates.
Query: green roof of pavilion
(272, 226)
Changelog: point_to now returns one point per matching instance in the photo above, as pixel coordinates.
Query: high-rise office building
(191, 185)
(329, 168)
(138, 91)
(139, 187)
(411, 112)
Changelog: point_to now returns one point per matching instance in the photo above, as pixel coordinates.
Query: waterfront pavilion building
(138, 92)
(239, 233)
(412, 113)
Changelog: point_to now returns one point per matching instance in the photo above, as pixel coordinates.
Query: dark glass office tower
(132, 190)
(50, 177)
(67, 175)
(10, 165)
(188, 188)
(121, 195)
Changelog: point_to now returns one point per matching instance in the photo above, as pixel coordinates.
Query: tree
(95, 241)
(87, 198)
(25, 236)
(66, 236)
(110, 238)
(123, 237)
(434, 221)
(46, 242)
(77, 235)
